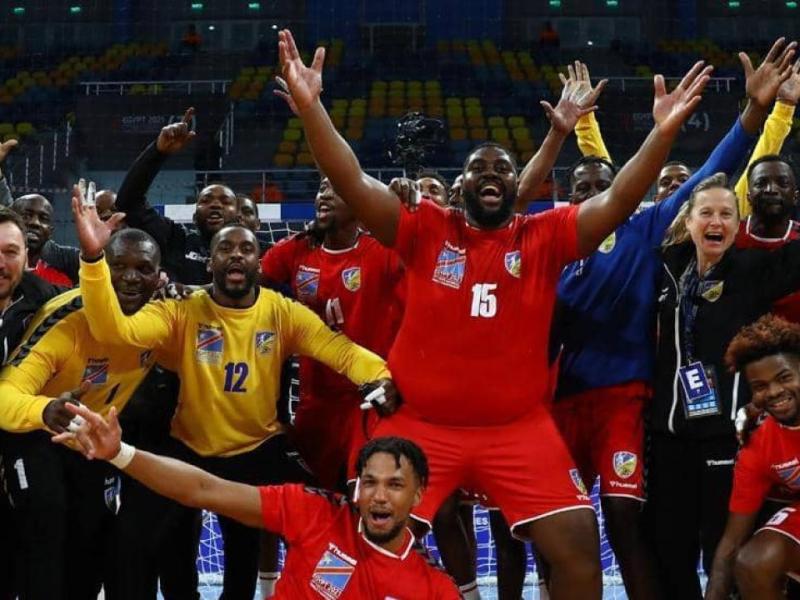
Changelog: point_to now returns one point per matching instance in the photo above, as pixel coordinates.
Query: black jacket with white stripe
(29, 296)
(739, 289)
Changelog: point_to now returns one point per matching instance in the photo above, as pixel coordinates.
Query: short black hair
(227, 227)
(11, 216)
(397, 447)
(135, 236)
(491, 145)
(676, 163)
(240, 198)
(591, 159)
(434, 175)
(772, 158)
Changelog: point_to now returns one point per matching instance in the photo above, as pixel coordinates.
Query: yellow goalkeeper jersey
(57, 353)
(228, 359)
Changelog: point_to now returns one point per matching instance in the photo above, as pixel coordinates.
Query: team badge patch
(576, 479)
(209, 345)
(789, 474)
(712, 290)
(332, 573)
(624, 464)
(265, 340)
(307, 282)
(351, 278)
(450, 266)
(514, 263)
(607, 245)
(96, 371)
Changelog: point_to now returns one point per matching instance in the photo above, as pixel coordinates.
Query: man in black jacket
(185, 250)
(21, 295)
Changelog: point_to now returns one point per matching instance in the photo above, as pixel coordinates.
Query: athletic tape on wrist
(124, 456)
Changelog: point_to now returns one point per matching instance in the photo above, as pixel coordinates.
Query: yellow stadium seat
(249, 71)
(473, 111)
(434, 111)
(524, 145)
(415, 104)
(340, 103)
(472, 101)
(287, 147)
(137, 89)
(500, 134)
(294, 123)
(355, 121)
(453, 101)
(516, 121)
(478, 134)
(475, 121)
(25, 128)
(397, 111)
(6, 128)
(432, 85)
(292, 135)
(358, 111)
(458, 133)
(397, 101)
(376, 112)
(354, 134)
(304, 159)
(283, 161)
(496, 121)
(358, 102)
(520, 133)
(338, 121)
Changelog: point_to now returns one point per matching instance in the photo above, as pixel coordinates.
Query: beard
(382, 538)
(483, 217)
(236, 293)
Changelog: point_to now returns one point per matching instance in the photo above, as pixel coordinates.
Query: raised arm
(149, 327)
(737, 531)
(171, 478)
(577, 102)
(5, 192)
(776, 130)
(600, 215)
(371, 200)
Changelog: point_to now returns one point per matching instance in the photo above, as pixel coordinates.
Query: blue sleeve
(726, 157)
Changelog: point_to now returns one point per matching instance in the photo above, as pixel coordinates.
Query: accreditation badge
(700, 392)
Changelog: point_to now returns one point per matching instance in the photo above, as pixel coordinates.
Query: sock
(267, 581)
(470, 591)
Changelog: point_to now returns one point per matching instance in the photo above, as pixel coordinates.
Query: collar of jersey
(760, 239)
(343, 250)
(383, 551)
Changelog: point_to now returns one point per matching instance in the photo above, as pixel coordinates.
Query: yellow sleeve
(590, 140)
(309, 336)
(29, 369)
(151, 326)
(776, 129)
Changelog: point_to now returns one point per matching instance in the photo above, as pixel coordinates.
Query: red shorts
(604, 430)
(524, 466)
(329, 433)
(786, 522)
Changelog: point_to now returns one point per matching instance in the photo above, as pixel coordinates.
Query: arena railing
(213, 86)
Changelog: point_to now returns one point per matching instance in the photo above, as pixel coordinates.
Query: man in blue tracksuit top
(606, 326)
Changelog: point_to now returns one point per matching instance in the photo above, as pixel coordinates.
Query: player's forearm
(590, 139)
(344, 356)
(6, 199)
(20, 412)
(721, 579)
(538, 168)
(131, 198)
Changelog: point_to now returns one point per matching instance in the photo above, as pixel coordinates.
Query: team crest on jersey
(789, 474)
(711, 290)
(351, 278)
(576, 479)
(607, 245)
(209, 345)
(111, 491)
(514, 263)
(307, 282)
(450, 266)
(332, 573)
(96, 371)
(624, 464)
(265, 340)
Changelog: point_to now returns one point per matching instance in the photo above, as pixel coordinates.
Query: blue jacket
(607, 302)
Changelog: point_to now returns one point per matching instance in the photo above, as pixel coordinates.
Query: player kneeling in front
(768, 353)
(337, 548)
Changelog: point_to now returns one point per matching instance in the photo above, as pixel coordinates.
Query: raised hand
(762, 84)
(303, 84)
(284, 93)
(671, 110)
(585, 95)
(93, 233)
(97, 437)
(7, 147)
(407, 190)
(56, 416)
(572, 104)
(173, 138)
(381, 395)
(789, 92)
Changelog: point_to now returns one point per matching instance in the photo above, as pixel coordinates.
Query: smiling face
(713, 222)
(489, 187)
(772, 191)
(433, 189)
(386, 494)
(775, 384)
(13, 258)
(589, 180)
(37, 213)
(331, 211)
(234, 263)
(216, 207)
(134, 267)
(670, 179)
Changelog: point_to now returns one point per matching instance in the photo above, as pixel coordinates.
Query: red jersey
(51, 274)
(771, 458)
(787, 307)
(330, 558)
(472, 347)
(358, 291)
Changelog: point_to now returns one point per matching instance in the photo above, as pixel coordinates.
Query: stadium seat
(25, 129)
(478, 134)
(496, 121)
(287, 147)
(476, 121)
(519, 133)
(294, 123)
(305, 159)
(6, 128)
(516, 121)
(500, 134)
(291, 135)
(283, 161)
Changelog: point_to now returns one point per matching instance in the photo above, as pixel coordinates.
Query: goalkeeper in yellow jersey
(227, 345)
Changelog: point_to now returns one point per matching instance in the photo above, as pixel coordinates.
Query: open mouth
(214, 218)
(324, 209)
(380, 519)
(130, 295)
(714, 238)
(490, 193)
(235, 274)
(781, 404)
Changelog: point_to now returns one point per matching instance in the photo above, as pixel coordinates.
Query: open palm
(304, 84)
(671, 110)
(790, 89)
(572, 105)
(93, 233)
(762, 84)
